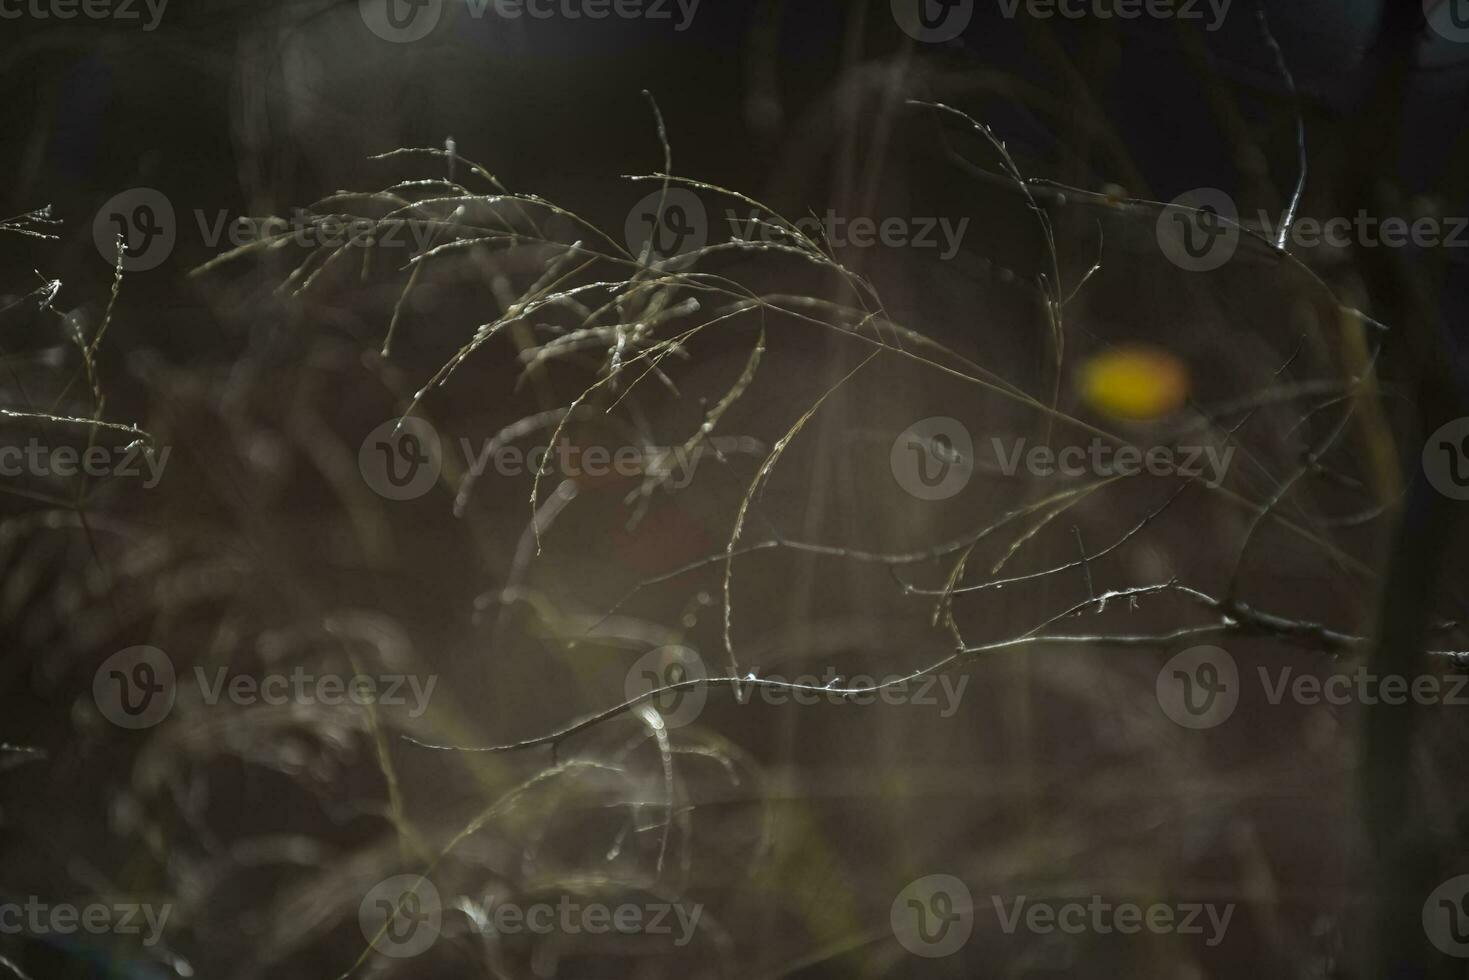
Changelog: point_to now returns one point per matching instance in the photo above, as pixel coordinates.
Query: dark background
(257, 108)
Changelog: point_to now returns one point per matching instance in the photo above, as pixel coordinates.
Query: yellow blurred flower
(1137, 383)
